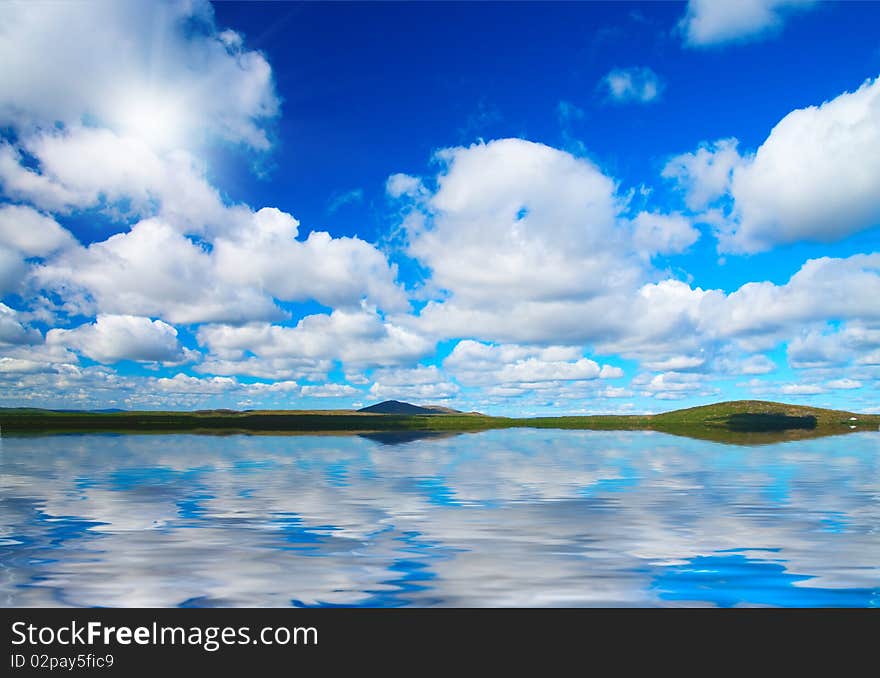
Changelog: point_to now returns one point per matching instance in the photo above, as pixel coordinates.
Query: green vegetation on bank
(738, 421)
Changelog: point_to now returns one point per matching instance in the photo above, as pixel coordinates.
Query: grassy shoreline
(722, 421)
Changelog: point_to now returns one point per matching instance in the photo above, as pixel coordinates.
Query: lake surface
(501, 518)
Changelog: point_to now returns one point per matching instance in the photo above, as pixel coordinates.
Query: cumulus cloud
(357, 338)
(663, 233)
(83, 167)
(13, 330)
(822, 289)
(337, 272)
(843, 384)
(152, 270)
(162, 71)
(801, 389)
(475, 363)
(632, 85)
(671, 385)
(112, 338)
(830, 347)
(704, 175)
(610, 372)
(816, 177)
(183, 383)
(423, 383)
(518, 230)
(710, 22)
(26, 233)
(328, 390)
(26, 230)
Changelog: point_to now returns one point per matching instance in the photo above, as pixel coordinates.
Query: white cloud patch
(632, 85)
(358, 338)
(830, 347)
(816, 177)
(475, 363)
(670, 385)
(715, 22)
(663, 233)
(844, 384)
(183, 383)
(13, 330)
(610, 372)
(26, 233)
(264, 253)
(328, 391)
(801, 389)
(26, 230)
(822, 289)
(112, 338)
(519, 230)
(704, 175)
(152, 270)
(423, 383)
(159, 71)
(339, 200)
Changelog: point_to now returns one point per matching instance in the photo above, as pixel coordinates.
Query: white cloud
(704, 175)
(266, 368)
(801, 389)
(670, 385)
(627, 85)
(235, 280)
(112, 338)
(476, 363)
(33, 234)
(816, 177)
(822, 289)
(152, 270)
(610, 372)
(82, 167)
(615, 392)
(182, 383)
(13, 270)
(158, 71)
(25, 232)
(400, 185)
(423, 383)
(513, 219)
(337, 272)
(13, 330)
(677, 362)
(357, 338)
(339, 200)
(715, 22)
(523, 242)
(663, 233)
(844, 384)
(828, 347)
(328, 391)
(754, 364)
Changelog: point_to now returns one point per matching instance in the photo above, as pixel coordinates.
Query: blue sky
(516, 208)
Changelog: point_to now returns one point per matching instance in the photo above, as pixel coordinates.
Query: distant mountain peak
(399, 407)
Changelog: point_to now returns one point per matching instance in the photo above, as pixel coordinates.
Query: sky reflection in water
(501, 518)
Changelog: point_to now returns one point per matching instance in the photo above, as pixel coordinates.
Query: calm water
(502, 518)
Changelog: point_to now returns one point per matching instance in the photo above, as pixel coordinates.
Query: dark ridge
(397, 407)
